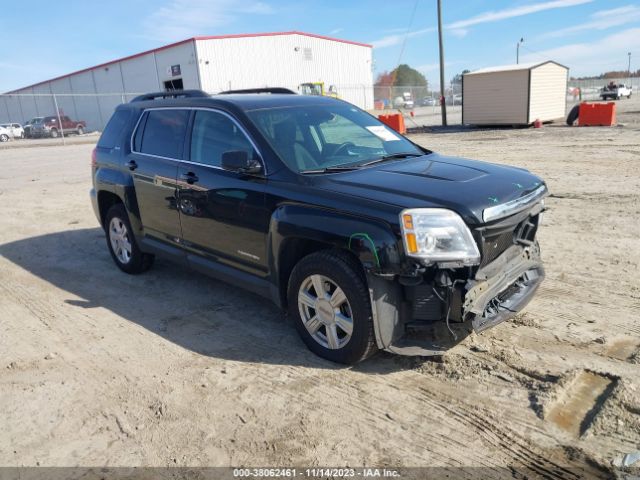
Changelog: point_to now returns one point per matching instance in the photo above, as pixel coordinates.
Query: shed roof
(513, 67)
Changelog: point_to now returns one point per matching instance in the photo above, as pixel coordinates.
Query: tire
(122, 244)
(4, 138)
(54, 133)
(332, 270)
(573, 115)
(80, 130)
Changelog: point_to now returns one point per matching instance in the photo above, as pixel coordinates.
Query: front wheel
(4, 138)
(80, 131)
(329, 303)
(54, 133)
(122, 244)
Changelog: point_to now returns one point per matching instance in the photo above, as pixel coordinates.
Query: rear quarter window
(112, 134)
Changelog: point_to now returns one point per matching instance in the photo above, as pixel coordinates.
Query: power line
(404, 39)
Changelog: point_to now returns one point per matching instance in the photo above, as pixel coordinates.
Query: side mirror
(239, 161)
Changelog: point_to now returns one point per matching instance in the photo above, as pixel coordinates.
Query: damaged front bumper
(496, 293)
(504, 287)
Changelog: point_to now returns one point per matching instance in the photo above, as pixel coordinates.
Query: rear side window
(113, 131)
(164, 133)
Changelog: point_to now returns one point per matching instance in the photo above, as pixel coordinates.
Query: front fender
(371, 241)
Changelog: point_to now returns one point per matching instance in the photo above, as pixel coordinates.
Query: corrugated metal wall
(548, 92)
(220, 64)
(140, 74)
(287, 61)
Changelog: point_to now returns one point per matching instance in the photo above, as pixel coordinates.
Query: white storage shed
(515, 94)
(212, 64)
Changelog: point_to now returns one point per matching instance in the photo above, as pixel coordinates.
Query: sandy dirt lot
(171, 368)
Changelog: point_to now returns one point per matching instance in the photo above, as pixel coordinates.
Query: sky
(45, 39)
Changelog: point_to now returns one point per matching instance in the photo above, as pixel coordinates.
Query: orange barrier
(597, 114)
(395, 121)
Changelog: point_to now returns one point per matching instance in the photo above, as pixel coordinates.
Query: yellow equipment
(317, 88)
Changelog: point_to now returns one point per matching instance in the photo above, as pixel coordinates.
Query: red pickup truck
(50, 126)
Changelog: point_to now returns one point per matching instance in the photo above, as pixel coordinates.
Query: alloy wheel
(325, 311)
(120, 241)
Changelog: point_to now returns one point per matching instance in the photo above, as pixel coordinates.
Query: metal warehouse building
(212, 64)
(514, 94)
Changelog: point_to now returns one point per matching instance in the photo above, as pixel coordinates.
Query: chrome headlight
(438, 235)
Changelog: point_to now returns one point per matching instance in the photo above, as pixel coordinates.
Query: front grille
(494, 243)
(493, 246)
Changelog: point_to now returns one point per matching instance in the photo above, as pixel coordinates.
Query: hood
(464, 186)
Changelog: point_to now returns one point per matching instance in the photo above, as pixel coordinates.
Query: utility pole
(443, 106)
(629, 67)
(518, 50)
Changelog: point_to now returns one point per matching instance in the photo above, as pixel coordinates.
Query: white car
(15, 128)
(5, 134)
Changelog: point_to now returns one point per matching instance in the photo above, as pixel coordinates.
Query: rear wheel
(4, 138)
(329, 302)
(122, 244)
(80, 130)
(54, 133)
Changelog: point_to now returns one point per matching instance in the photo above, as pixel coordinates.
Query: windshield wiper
(337, 168)
(345, 168)
(391, 156)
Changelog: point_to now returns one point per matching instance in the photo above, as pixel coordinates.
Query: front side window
(164, 133)
(213, 134)
(316, 137)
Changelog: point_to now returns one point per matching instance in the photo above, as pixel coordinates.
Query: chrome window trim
(514, 206)
(215, 110)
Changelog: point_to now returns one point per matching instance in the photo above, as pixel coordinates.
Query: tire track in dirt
(507, 439)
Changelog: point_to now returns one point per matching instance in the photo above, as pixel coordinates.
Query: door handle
(189, 177)
(132, 165)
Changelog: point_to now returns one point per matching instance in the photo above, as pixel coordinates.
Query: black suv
(368, 240)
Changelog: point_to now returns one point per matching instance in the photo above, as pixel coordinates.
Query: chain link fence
(590, 89)
(63, 115)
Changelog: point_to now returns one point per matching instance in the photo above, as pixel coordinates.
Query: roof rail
(260, 90)
(170, 94)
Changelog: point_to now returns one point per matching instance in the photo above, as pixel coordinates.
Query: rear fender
(121, 184)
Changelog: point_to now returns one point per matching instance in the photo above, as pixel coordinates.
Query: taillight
(94, 160)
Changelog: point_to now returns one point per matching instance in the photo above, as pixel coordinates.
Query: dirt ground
(170, 368)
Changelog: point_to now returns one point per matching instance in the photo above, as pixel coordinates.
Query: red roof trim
(175, 44)
(274, 34)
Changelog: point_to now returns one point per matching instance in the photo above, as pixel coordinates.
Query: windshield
(319, 137)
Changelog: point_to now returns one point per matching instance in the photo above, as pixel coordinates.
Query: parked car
(49, 127)
(360, 234)
(5, 134)
(454, 99)
(27, 126)
(428, 102)
(15, 128)
(615, 92)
